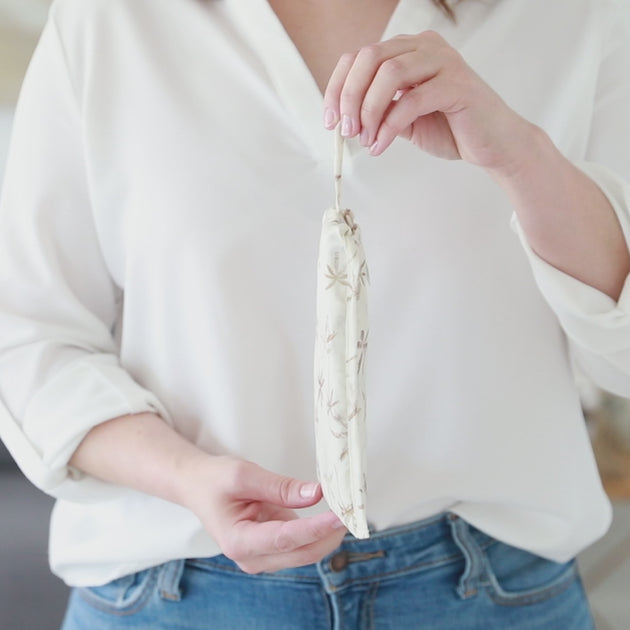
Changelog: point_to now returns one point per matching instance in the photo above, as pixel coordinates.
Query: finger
(247, 481)
(248, 540)
(308, 554)
(277, 545)
(394, 78)
(435, 95)
(337, 79)
(360, 76)
(362, 65)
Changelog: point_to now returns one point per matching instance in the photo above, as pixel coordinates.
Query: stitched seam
(364, 557)
(169, 581)
(369, 606)
(403, 529)
(406, 570)
(203, 564)
(327, 607)
(110, 608)
(398, 572)
(532, 596)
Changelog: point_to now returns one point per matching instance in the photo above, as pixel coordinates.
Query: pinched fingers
(363, 89)
(413, 117)
(249, 511)
(394, 77)
(351, 79)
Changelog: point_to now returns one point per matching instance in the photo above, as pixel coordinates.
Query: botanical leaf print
(340, 351)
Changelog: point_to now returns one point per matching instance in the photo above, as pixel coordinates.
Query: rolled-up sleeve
(597, 326)
(60, 373)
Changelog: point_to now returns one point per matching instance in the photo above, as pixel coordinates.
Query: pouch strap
(339, 143)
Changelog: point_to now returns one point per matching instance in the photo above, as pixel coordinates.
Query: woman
(160, 222)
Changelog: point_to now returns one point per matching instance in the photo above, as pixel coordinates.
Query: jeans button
(339, 561)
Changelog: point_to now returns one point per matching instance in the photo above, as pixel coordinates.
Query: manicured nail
(329, 118)
(374, 148)
(346, 125)
(365, 137)
(308, 490)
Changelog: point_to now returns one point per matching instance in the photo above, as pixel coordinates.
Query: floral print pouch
(340, 353)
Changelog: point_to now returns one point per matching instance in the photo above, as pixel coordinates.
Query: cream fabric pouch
(340, 355)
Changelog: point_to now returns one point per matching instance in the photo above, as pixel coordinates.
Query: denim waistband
(417, 575)
(415, 547)
(390, 553)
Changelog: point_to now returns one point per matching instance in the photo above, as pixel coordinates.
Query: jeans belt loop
(169, 579)
(469, 582)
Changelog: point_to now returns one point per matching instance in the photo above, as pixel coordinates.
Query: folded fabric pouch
(340, 356)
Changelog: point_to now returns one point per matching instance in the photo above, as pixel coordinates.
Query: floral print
(340, 351)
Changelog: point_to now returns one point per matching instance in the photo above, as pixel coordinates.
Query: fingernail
(365, 137)
(308, 490)
(374, 148)
(337, 524)
(329, 118)
(346, 125)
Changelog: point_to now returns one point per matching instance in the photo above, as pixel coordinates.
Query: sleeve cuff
(55, 423)
(589, 317)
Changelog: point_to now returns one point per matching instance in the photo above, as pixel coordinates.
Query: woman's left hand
(420, 88)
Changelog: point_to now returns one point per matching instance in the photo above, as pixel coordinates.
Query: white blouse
(159, 229)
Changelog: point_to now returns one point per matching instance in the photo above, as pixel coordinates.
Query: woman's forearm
(566, 218)
(143, 452)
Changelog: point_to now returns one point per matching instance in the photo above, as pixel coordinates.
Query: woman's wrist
(195, 475)
(526, 147)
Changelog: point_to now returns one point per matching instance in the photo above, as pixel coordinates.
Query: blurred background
(33, 599)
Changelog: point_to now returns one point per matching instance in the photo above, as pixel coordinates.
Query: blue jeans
(438, 574)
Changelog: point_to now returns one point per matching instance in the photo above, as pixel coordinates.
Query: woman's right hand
(250, 513)
(247, 510)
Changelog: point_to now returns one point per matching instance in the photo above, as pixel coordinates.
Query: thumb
(263, 485)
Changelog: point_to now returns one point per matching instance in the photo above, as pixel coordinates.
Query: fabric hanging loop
(340, 357)
(338, 167)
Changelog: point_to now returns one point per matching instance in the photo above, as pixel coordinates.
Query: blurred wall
(20, 24)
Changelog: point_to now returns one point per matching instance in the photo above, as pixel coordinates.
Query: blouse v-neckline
(291, 76)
